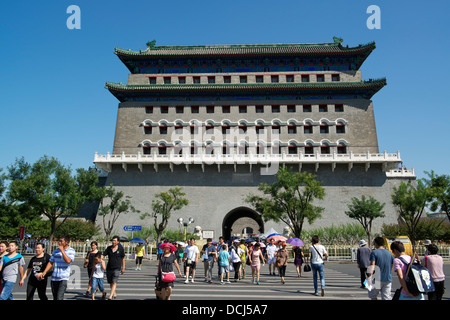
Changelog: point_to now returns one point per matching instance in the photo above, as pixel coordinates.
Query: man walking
(10, 265)
(190, 258)
(271, 250)
(116, 264)
(363, 260)
(382, 260)
(60, 260)
(209, 256)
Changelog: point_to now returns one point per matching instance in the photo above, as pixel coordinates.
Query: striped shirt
(61, 269)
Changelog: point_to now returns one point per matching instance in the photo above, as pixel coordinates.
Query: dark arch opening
(237, 213)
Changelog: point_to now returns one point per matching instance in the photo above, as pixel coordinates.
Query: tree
(112, 205)
(439, 192)
(49, 188)
(365, 211)
(289, 199)
(411, 202)
(162, 207)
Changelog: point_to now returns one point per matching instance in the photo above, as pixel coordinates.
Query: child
(224, 257)
(97, 275)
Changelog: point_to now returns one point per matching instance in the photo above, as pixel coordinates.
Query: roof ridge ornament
(151, 44)
(338, 40)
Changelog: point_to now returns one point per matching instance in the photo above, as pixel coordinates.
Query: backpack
(418, 278)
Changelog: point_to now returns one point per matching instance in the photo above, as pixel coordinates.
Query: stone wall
(214, 194)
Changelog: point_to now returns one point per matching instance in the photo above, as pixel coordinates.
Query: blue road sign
(132, 228)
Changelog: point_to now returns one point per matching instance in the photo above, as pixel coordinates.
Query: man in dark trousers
(363, 260)
(116, 264)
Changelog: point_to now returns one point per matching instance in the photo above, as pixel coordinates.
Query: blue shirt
(223, 256)
(209, 251)
(61, 269)
(384, 260)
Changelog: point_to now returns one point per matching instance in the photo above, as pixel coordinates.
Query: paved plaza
(342, 283)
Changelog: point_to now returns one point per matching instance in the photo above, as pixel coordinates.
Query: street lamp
(185, 225)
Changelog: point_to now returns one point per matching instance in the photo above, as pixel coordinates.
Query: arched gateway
(240, 219)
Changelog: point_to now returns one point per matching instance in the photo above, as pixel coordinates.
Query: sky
(52, 78)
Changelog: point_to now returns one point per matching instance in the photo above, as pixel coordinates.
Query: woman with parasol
(297, 245)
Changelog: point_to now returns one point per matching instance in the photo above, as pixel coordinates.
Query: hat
(427, 242)
(362, 243)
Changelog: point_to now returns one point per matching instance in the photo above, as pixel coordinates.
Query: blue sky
(53, 99)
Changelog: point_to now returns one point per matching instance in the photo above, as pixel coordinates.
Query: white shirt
(191, 252)
(315, 258)
(271, 249)
(98, 271)
(236, 254)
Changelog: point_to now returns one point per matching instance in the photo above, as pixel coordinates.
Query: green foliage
(78, 229)
(439, 192)
(433, 229)
(47, 188)
(164, 204)
(410, 202)
(365, 211)
(342, 234)
(113, 203)
(289, 199)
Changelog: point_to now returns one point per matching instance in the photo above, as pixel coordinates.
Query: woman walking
(282, 260)
(401, 263)
(89, 264)
(36, 265)
(435, 264)
(236, 260)
(256, 257)
(298, 259)
(166, 276)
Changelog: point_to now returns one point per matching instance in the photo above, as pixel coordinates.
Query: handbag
(397, 294)
(307, 267)
(168, 276)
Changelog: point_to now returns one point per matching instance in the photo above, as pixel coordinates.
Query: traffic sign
(132, 228)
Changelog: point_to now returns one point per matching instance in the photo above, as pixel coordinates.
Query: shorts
(385, 289)
(112, 276)
(271, 260)
(191, 265)
(224, 269)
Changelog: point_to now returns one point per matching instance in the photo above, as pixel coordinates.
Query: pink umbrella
(262, 245)
(277, 238)
(167, 244)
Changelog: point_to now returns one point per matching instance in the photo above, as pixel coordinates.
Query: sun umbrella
(172, 247)
(295, 242)
(262, 245)
(277, 238)
(183, 244)
(123, 239)
(249, 240)
(138, 240)
(273, 234)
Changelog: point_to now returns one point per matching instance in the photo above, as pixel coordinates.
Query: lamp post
(185, 225)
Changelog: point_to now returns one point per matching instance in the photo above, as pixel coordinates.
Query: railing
(82, 248)
(335, 252)
(246, 158)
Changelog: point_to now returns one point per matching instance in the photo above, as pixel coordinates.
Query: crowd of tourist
(231, 258)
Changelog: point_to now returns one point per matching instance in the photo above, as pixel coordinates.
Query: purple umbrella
(295, 242)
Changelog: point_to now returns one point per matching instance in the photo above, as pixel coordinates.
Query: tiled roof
(255, 49)
(378, 83)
